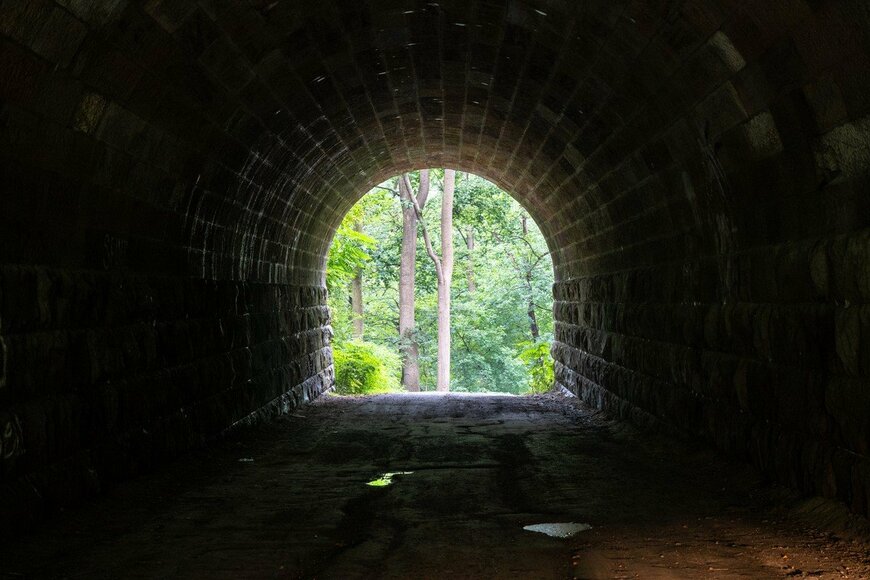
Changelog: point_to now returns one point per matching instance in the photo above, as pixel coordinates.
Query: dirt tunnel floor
(289, 499)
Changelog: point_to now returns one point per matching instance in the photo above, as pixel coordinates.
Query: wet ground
(290, 499)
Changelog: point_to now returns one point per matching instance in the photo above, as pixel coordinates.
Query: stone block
(846, 400)
(60, 37)
(847, 330)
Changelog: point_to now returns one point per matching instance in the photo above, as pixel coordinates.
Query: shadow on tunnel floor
(291, 498)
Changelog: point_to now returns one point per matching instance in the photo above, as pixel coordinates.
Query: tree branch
(393, 191)
(465, 342)
(510, 253)
(439, 272)
(462, 235)
(538, 261)
(532, 249)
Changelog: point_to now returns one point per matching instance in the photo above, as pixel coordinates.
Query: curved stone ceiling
(618, 124)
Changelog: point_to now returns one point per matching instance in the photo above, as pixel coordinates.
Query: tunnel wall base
(771, 368)
(789, 458)
(109, 373)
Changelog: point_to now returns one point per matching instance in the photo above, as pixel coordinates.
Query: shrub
(363, 368)
(536, 357)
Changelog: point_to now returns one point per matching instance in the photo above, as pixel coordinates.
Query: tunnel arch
(505, 126)
(380, 285)
(172, 172)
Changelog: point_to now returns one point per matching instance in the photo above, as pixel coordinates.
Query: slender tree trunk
(356, 297)
(469, 268)
(525, 222)
(533, 317)
(445, 280)
(407, 276)
(356, 301)
(443, 272)
(533, 322)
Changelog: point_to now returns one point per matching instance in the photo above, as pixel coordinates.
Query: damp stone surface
(659, 507)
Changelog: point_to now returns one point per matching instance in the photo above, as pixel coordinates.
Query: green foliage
(536, 357)
(349, 252)
(363, 368)
(511, 269)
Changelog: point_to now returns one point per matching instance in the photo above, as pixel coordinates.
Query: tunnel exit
(385, 275)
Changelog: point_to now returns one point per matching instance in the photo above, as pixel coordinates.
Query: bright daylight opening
(440, 281)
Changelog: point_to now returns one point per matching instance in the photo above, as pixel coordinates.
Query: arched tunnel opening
(388, 298)
(173, 172)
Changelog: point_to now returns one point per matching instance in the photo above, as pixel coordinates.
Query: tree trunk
(407, 275)
(443, 272)
(356, 301)
(533, 322)
(356, 297)
(469, 268)
(444, 281)
(533, 317)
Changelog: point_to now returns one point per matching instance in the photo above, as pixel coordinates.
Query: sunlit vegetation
(365, 368)
(500, 306)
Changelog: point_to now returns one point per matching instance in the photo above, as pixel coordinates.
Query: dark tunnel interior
(173, 172)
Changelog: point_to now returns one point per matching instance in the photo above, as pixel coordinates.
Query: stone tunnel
(173, 172)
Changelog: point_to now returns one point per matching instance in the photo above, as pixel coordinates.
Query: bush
(363, 368)
(536, 357)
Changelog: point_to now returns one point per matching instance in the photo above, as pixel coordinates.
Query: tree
(443, 273)
(445, 280)
(518, 270)
(356, 294)
(469, 262)
(468, 238)
(411, 212)
(492, 347)
(349, 252)
(526, 263)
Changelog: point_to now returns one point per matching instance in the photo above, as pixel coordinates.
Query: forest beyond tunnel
(173, 172)
(386, 296)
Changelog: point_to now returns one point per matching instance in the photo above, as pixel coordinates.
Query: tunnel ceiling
(235, 135)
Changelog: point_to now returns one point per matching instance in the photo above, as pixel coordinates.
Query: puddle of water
(387, 478)
(563, 530)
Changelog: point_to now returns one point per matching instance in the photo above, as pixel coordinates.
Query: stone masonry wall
(777, 377)
(172, 173)
(117, 348)
(107, 374)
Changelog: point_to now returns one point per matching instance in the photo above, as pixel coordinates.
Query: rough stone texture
(699, 168)
(476, 471)
(109, 373)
